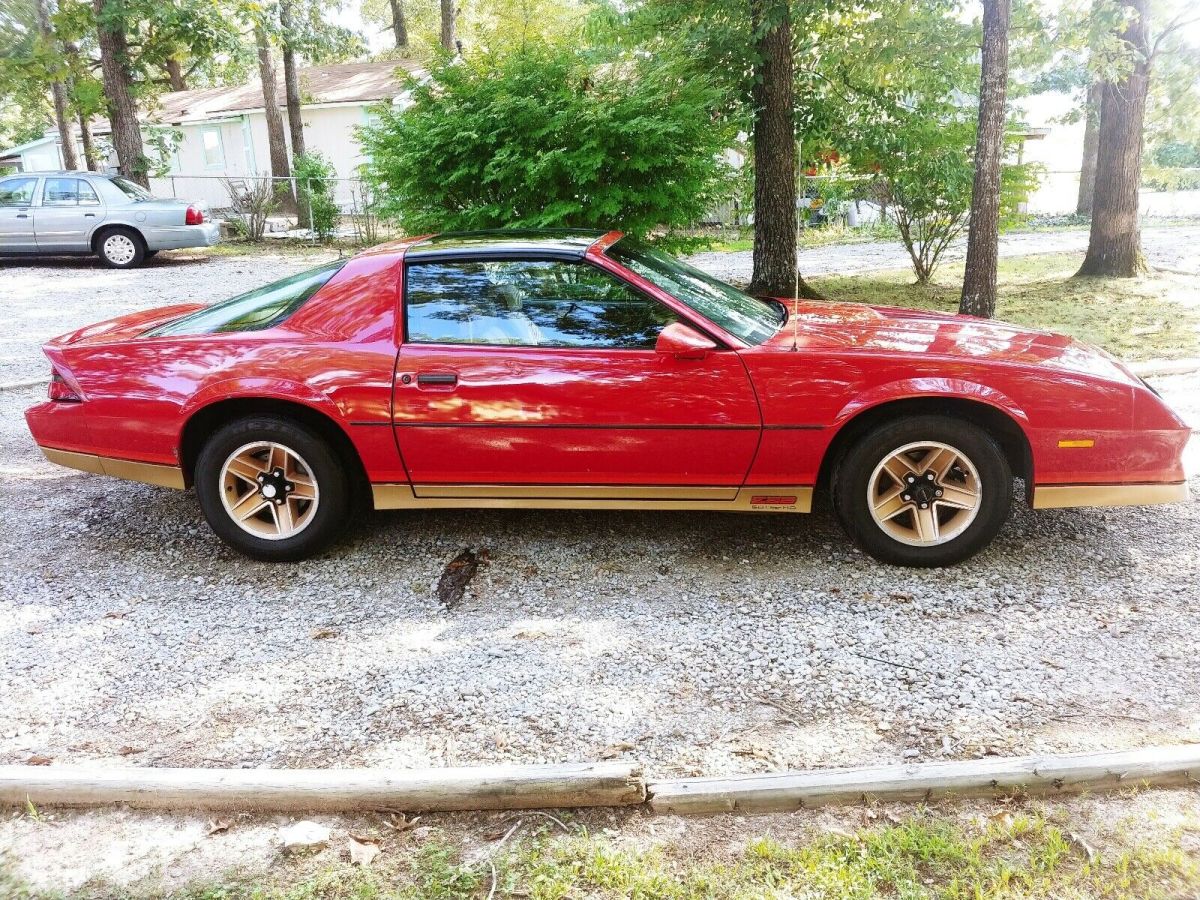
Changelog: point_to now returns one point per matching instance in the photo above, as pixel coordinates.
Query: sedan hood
(892, 330)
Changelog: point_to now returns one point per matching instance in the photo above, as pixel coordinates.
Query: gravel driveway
(695, 642)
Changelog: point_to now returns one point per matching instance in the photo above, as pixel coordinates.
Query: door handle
(89, 215)
(22, 215)
(436, 379)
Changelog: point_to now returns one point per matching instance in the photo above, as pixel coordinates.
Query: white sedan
(56, 213)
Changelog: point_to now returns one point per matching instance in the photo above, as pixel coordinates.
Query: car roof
(573, 242)
(55, 172)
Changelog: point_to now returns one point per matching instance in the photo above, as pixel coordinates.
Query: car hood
(894, 331)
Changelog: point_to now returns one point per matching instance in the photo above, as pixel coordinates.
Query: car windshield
(263, 307)
(740, 314)
(132, 189)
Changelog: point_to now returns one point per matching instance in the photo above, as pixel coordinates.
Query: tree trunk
(983, 240)
(118, 91)
(89, 148)
(291, 80)
(774, 144)
(399, 24)
(175, 74)
(448, 14)
(275, 137)
(1091, 142)
(58, 92)
(1115, 245)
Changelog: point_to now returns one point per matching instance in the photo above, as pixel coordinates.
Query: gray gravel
(695, 642)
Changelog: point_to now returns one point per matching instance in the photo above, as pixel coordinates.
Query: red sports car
(586, 370)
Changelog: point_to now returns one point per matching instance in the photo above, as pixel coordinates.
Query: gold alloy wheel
(924, 494)
(269, 490)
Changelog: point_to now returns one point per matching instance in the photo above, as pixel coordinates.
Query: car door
(537, 377)
(16, 214)
(68, 213)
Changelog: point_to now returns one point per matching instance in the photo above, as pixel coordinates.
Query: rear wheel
(924, 491)
(272, 489)
(121, 248)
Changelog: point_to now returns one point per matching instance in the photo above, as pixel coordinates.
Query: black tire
(120, 248)
(321, 462)
(150, 254)
(855, 479)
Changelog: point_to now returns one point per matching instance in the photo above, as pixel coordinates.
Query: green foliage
(314, 185)
(1177, 155)
(547, 137)
(1158, 178)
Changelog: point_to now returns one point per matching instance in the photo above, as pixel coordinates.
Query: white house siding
(196, 176)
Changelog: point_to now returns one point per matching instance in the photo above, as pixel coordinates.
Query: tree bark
(275, 136)
(291, 80)
(399, 24)
(1091, 143)
(89, 147)
(774, 144)
(1115, 245)
(448, 14)
(175, 74)
(983, 240)
(58, 92)
(118, 91)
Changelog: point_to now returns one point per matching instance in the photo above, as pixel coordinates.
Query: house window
(214, 148)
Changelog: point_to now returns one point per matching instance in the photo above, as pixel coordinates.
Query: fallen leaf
(116, 614)
(614, 750)
(324, 631)
(455, 577)
(1088, 850)
(218, 826)
(401, 822)
(130, 751)
(38, 760)
(363, 850)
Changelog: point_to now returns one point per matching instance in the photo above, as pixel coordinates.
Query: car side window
(528, 303)
(17, 191)
(68, 192)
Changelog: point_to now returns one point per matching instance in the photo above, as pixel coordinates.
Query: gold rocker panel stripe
(773, 498)
(1060, 496)
(150, 473)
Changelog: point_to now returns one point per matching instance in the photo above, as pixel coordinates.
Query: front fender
(928, 387)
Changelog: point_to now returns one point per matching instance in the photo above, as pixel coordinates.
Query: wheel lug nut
(908, 496)
(937, 493)
(929, 475)
(924, 506)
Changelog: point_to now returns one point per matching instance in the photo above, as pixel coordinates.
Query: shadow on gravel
(163, 260)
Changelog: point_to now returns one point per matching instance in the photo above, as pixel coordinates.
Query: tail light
(194, 216)
(60, 390)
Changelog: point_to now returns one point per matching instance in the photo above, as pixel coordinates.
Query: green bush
(1157, 178)
(547, 137)
(314, 186)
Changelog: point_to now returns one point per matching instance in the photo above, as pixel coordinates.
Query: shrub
(314, 188)
(253, 201)
(546, 137)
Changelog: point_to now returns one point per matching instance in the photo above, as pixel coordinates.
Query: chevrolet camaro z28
(585, 370)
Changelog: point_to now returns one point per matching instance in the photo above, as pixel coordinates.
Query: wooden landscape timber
(991, 777)
(576, 785)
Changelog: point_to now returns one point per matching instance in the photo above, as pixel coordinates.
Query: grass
(1007, 856)
(1156, 316)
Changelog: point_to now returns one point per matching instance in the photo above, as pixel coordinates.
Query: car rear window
(263, 307)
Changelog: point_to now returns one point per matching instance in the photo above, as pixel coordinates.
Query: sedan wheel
(923, 491)
(121, 249)
(272, 488)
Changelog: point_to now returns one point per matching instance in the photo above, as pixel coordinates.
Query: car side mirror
(683, 342)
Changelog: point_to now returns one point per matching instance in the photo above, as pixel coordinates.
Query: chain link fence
(286, 207)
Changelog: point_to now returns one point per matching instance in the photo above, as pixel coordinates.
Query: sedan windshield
(132, 189)
(740, 314)
(263, 307)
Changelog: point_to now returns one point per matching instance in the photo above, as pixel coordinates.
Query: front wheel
(272, 489)
(923, 491)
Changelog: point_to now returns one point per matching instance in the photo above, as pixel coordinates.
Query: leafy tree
(549, 137)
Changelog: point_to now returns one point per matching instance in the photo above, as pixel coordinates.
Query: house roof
(341, 83)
